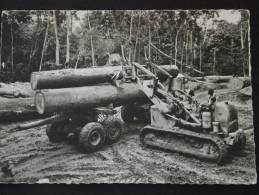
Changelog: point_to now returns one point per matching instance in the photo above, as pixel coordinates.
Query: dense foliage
(34, 40)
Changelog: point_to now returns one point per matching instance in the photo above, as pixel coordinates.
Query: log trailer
(174, 120)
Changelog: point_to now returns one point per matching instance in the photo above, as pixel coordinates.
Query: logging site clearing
(34, 159)
(126, 96)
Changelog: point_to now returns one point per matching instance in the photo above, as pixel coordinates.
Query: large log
(238, 83)
(81, 98)
(14, 92)
(81, 77)
(17, 109)
(16, 89)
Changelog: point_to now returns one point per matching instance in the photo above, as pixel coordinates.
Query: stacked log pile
(68, 78)
(70, 89)
(84, 88)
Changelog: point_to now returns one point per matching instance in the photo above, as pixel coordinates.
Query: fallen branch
(52, 119)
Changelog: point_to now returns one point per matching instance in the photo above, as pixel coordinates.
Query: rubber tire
(111, 123)
(55, 132)
(128, 113)
(84, 137)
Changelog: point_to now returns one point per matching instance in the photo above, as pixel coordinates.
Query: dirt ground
(34, 158)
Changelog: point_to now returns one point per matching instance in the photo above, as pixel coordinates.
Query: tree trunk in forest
(44, 43)
(139, 49)
(171, 48)
(1, 42)
(176, 42)
(182, 50)
(34, 42)
(81, 77)
(205, 34)
(149, 40)
(191, 53)
(194, 51)
(131, 21)
(200, 57)
(78, 57)
(56, 37)
(68, 36)
(175, 47)
(186, 47)
(71, 23)
(12, 46)
(91, 41)
(136, 43)
(81, 98)
(241, 36)
(249, 49)
(214, 60)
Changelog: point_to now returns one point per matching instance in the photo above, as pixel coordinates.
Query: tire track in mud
(126, 161)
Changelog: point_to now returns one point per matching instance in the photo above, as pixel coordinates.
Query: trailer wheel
(113, 127)
(91, 137)
(128, 113)
(55, 132)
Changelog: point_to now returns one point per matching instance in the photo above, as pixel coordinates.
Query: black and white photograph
(126, 96)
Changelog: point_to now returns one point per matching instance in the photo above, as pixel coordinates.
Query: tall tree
(68, 36)
(56, 37)
(11, 30)
(176, 38)
(44, 43)
(91, 40)
(35, 40)
(249, 49)
(131, 21)
(1, 40)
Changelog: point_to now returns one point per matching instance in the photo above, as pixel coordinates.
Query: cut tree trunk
(18, 109)
(81, 98)
(81, 77)
(14, 92)
(72, 77)
(239, 83)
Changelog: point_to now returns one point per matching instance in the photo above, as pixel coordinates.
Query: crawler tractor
(180, 124)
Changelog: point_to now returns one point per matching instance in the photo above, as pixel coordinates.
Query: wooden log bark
(239, 83)
(71, 77)
(17, 109)
(14, 92)
(81, 77)
(81, 98)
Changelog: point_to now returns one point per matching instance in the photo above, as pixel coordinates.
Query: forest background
(195, 40)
